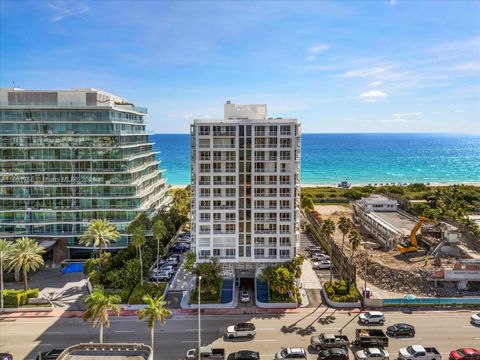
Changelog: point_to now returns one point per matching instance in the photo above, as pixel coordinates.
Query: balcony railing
(224, 133)
(222, 232)
(265, 231)
(224, 207)
(224, 183)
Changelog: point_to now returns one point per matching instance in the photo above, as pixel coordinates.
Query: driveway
(65, 291)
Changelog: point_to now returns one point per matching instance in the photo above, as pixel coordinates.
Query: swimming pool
(72, 268)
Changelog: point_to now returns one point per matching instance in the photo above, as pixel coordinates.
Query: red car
(465, 354)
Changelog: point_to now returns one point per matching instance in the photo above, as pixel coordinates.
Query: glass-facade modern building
(70, 156)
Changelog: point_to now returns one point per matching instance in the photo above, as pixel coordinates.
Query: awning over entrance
(47, 244)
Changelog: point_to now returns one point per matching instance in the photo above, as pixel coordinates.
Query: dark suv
(244, 355)
(333, 354)
(401, 330)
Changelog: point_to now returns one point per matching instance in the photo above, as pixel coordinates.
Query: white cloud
(63, 9)
(392, 2)
(470, 66)
(408, 114)
(372, 95)
(318, 48)
(366, 72)
(375, 83)
(315, 50)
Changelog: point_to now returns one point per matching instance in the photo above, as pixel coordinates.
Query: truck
(206, 352)
(419, 352)
(325, 341)
(370, 337)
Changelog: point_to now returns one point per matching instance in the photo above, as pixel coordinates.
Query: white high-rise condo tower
(245, 188)
(70, 156)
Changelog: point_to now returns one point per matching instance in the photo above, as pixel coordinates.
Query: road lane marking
(266, 329)
(124, 331)
(53, 332)
(189, 341)
(408, 339)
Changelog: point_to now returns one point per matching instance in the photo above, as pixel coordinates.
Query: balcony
(223, 232)
(204, 207)
(259, 133)
(265, 231)
(223, 146)
(204, 232)
(224, 133)
(224, 221)
(224, 207)
(204, 220)
(204, 183)
(265, 220)
(224, 183)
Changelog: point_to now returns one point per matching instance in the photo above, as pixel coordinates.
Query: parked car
(324, 341)
(333, 354)
(372, 317)
(6, 356)
(167, 268)
(372, 353)
(465, 354)
(419, 352)
(370, 337)
(206, 352)
(170, 262)
(244, 355)
(323, 264)
(241, 330)
(291, 353)
(320, 257)
(244, 296)
(475, 319)
(401, 330)
(162, 276)
(178, 248)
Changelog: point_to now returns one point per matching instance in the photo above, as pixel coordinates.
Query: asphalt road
(443, 329)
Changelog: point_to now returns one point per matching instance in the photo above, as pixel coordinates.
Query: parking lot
(169, 265)
(306, 240)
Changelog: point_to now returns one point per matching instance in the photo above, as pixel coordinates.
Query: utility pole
(199, 325)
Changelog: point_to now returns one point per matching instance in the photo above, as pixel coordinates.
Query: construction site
(405, 254)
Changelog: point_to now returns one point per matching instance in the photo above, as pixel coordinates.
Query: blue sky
(379, 66)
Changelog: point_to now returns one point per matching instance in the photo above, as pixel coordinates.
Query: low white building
(462, 273)
(377, 202)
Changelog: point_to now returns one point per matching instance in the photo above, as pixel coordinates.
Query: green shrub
(136, 297)
(14, 298)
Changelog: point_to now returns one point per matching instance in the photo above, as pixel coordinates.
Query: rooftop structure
(107, 351)
(245, 188)
(70, 156)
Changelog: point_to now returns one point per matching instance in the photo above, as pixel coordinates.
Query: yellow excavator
(411, 244)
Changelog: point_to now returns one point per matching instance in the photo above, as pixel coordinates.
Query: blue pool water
(360, 158)
(72, 268)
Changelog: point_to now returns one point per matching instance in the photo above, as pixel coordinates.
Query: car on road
(323, 264)
(372, 317)
(241, 330)
(419, 352)
(244, 355)
(475, 319)
(291, 353)
(206, 352)
(244, 297)
(337, 353)
(372, 353)
(401, 330)
(465, 354)
(324, 341)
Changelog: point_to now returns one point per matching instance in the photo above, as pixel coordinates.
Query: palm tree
(99, 233)
(355, 240)
(328, 228)
(344, 225)
(138, 240)
(295, 266)
(26, 255)
(153, 312)
(279, 279)
(159, 231)
(99, 304)
(306, 202)
(5, 249)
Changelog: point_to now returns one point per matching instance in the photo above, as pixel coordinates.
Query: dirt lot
(389, 271)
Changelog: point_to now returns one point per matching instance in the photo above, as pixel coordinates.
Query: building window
(284, 254)
(204, 130)
(285, 130)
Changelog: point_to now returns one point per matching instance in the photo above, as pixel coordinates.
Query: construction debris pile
(411, 280)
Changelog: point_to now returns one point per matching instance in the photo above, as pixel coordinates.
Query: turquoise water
(360, 158)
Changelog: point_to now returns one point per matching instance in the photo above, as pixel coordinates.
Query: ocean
(327, 159)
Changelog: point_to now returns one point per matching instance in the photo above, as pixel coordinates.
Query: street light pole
(1, 282)
(199, 325)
